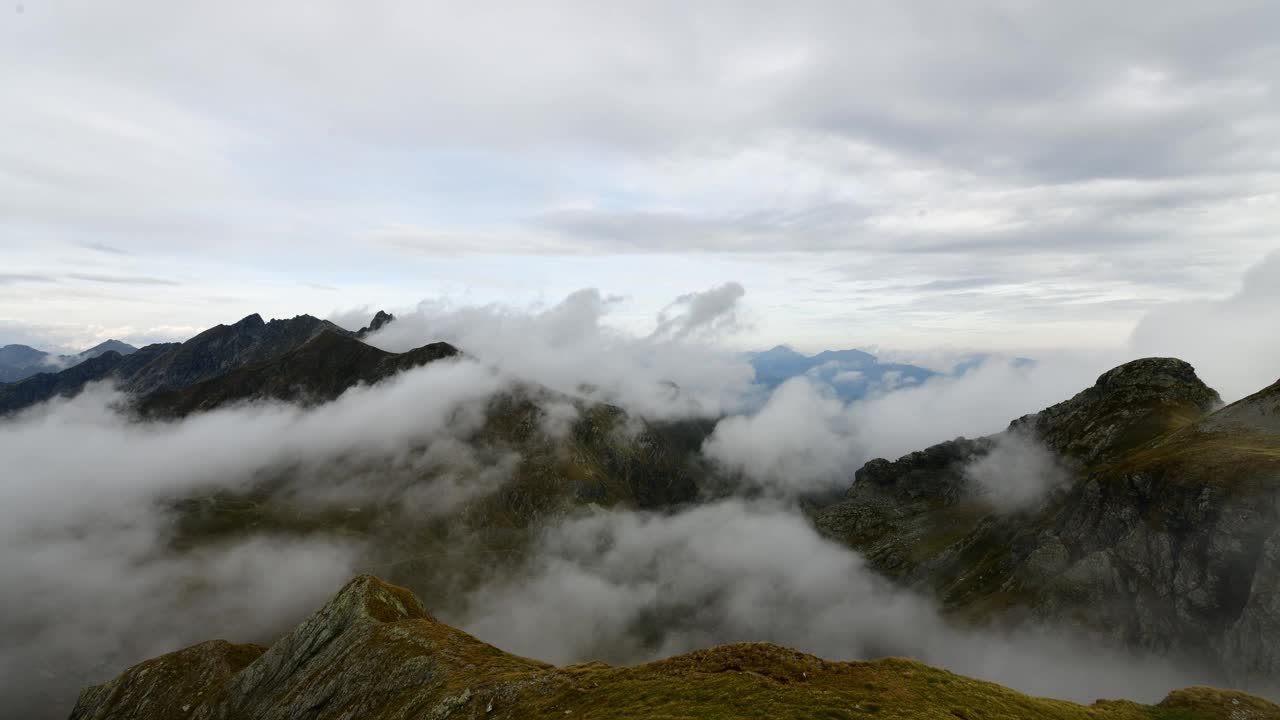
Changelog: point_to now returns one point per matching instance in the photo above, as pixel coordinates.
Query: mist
(91, 579)
(629, 587)
(676, 371)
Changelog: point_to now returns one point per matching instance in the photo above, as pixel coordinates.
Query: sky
(1009, 176)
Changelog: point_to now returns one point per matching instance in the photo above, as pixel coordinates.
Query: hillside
(1165, 536)
(374, 652)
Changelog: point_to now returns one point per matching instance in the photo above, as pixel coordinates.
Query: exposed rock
(1129, 405)
(380, 319)
(1165, 540)
(373, 652)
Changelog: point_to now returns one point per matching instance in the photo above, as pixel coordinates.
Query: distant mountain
(852, 374)
(109, 346)
(374, 652)
(319, 370)
(18, 362)
(168, 367)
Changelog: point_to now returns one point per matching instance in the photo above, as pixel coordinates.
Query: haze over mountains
(20, 361)
(1118, 543)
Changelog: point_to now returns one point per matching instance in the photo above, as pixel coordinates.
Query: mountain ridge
(374, 652)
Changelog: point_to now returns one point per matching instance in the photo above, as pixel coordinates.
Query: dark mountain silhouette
(169, 367)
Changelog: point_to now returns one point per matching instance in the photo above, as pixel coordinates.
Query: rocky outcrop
(373, 652)
(1165, 539)
(380, 319)
(1129, 405)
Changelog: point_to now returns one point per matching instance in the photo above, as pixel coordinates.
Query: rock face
(380, 319)
(1129, 405)
(1166, 539)
(373, 652)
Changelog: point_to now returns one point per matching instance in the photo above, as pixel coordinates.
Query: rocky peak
(1128, 406)
(380, 320)
(249, 321)
(372, 653)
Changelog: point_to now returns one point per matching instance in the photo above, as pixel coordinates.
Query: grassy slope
(442, 672)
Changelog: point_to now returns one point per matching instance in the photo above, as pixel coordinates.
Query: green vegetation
(384, 657)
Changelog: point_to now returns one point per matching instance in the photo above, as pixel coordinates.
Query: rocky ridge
(374, 652)
(1166, 539)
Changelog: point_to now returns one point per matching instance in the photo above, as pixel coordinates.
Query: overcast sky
(1005, 175)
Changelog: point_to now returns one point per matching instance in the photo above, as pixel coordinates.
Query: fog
(628, 587)
(91, 580)
(571, 348)
(803, 439)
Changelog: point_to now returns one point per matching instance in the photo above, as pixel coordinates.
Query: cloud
(705, 313)
(102, 247)
(803, 439)
(1017, 472)
(568, 347)
(799, 441)
(20, 278)
(630, 587)
(121, 279)
(91, 579)
(1229, 341)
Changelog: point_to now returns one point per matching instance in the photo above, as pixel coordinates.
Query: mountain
(169, 367)
(1163, 532)
(852, 374)
(319, 370)
(18, 362)
(380, 320)
(109, 346)
(374, 652)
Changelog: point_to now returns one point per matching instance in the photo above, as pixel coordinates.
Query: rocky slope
(1166, 537)
(374, 652)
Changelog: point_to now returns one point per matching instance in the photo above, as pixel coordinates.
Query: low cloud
(799, 441)
(570, 348)
(706, 313)
(1017, 473)
(631, 587)
(803, 439)
(90, 578)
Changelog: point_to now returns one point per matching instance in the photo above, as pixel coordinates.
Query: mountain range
(18, 362)
(854, 374)
(1160, 533)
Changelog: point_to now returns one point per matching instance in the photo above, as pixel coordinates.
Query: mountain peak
(380, 319)
(1128, 405)
(372, 651)
(112, 345)
(254, 320)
